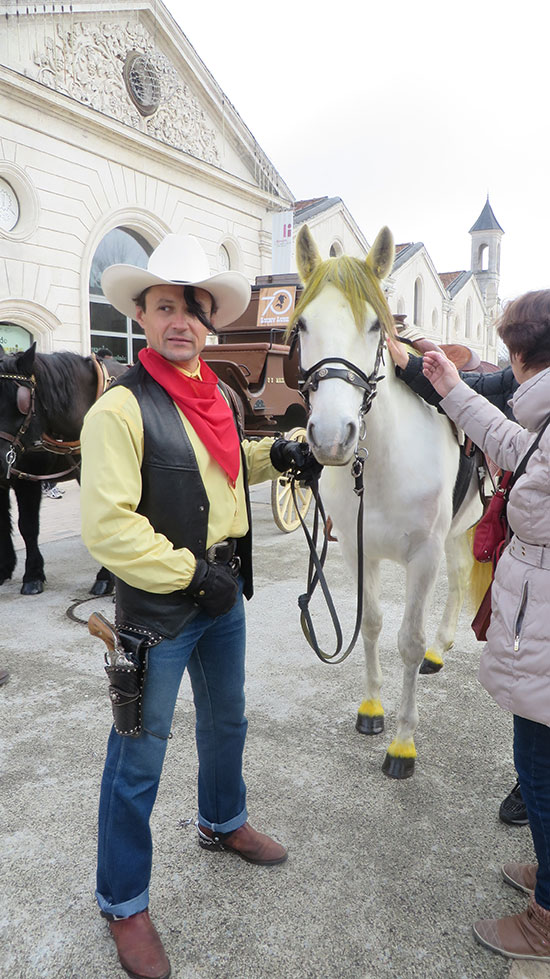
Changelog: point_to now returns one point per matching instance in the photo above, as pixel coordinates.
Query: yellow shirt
(121, 539)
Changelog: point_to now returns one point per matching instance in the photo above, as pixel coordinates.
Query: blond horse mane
(359, 285)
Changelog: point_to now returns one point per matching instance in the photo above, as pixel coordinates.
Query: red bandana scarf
(203, 404)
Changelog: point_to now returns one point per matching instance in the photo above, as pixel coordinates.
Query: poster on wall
(275, 307)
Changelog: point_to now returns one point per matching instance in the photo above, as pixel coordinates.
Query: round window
(9, 206)
(143, 83)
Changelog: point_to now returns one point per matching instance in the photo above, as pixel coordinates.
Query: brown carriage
(253, 359)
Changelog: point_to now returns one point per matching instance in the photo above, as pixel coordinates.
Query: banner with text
(281, 242)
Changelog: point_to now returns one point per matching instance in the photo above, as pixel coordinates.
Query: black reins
(310, 381)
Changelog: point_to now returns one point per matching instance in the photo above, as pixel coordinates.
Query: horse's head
(341, 319)
(16, 404)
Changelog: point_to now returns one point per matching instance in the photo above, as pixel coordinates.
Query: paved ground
(384, 878)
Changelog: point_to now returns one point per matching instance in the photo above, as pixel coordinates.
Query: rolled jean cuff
(127, 908)
(229, 826)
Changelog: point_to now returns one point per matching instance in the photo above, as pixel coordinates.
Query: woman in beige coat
(515, 665)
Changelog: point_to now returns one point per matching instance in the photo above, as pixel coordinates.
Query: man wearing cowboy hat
(165, 507)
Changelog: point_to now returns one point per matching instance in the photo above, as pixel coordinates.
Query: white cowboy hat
(178, 260)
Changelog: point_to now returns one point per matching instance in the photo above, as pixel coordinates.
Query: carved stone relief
(87, 62)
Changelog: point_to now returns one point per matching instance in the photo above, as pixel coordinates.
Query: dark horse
(43, 400)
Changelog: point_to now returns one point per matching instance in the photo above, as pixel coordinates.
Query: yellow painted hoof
(399, 760)
(432, 662)
(370, 717)
(402, 749)
(373, 708)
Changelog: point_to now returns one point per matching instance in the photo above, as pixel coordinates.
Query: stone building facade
(114, 133)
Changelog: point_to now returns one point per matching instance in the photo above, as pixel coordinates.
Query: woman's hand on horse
(398, 352)
(439, 370)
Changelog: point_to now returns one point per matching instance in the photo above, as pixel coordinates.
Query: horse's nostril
(311, 434)
(351, 433)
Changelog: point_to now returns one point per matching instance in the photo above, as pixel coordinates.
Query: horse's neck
(61, 412)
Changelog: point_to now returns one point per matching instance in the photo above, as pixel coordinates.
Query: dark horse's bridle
(26, 403)
(309, 381)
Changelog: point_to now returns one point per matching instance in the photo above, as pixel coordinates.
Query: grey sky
(411, 112)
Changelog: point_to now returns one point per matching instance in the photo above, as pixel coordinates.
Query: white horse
(342, 320)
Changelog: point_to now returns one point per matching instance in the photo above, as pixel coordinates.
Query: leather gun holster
(126, 683)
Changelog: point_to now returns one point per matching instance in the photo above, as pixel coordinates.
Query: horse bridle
(26, 401)
(309, 381)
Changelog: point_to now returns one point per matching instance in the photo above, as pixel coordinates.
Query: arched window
(483, 257)
(336, 250)
(108, 327)
(468, 324)
(14, 338)
(418, 301)
(457, 326)
(224, 259)
(435, 321)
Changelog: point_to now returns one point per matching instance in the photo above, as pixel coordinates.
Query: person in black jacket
(498, 388)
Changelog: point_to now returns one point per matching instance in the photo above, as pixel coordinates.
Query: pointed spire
(486, 220)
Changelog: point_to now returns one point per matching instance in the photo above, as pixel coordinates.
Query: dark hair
(140, 300)
(193, 306)
(104, 352)
(525, 328)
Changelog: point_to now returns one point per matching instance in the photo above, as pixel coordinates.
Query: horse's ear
(308, 256)
(381, 256)
(25, 361)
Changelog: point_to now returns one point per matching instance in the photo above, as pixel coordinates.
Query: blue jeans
(532, 761)
(213, 651)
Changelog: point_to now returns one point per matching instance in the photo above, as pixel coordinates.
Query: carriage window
(14, 338)
(108, 327)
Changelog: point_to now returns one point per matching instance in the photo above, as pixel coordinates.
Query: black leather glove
(214, 588)
(296, 458)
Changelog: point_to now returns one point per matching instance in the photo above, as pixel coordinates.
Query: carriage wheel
(285, 514)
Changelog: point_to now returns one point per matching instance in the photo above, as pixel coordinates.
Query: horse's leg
(104, 583)
(29, 497)
(370, 716)
(411, 640)
(459, 565)
(7, 553)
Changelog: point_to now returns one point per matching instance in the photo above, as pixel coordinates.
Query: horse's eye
(375, 327)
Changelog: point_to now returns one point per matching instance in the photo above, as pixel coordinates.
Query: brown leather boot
(139, 947)
(522, 876)
(247, 842)
(519, 936)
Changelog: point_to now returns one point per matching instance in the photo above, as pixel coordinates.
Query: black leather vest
(175, 503)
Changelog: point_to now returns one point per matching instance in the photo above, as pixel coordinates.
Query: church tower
(486, 237)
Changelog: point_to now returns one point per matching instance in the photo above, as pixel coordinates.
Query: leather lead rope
(316, 574)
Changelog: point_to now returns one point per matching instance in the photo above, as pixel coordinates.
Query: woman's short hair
(525, 328)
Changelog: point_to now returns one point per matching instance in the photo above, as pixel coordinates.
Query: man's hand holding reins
(295, 458)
